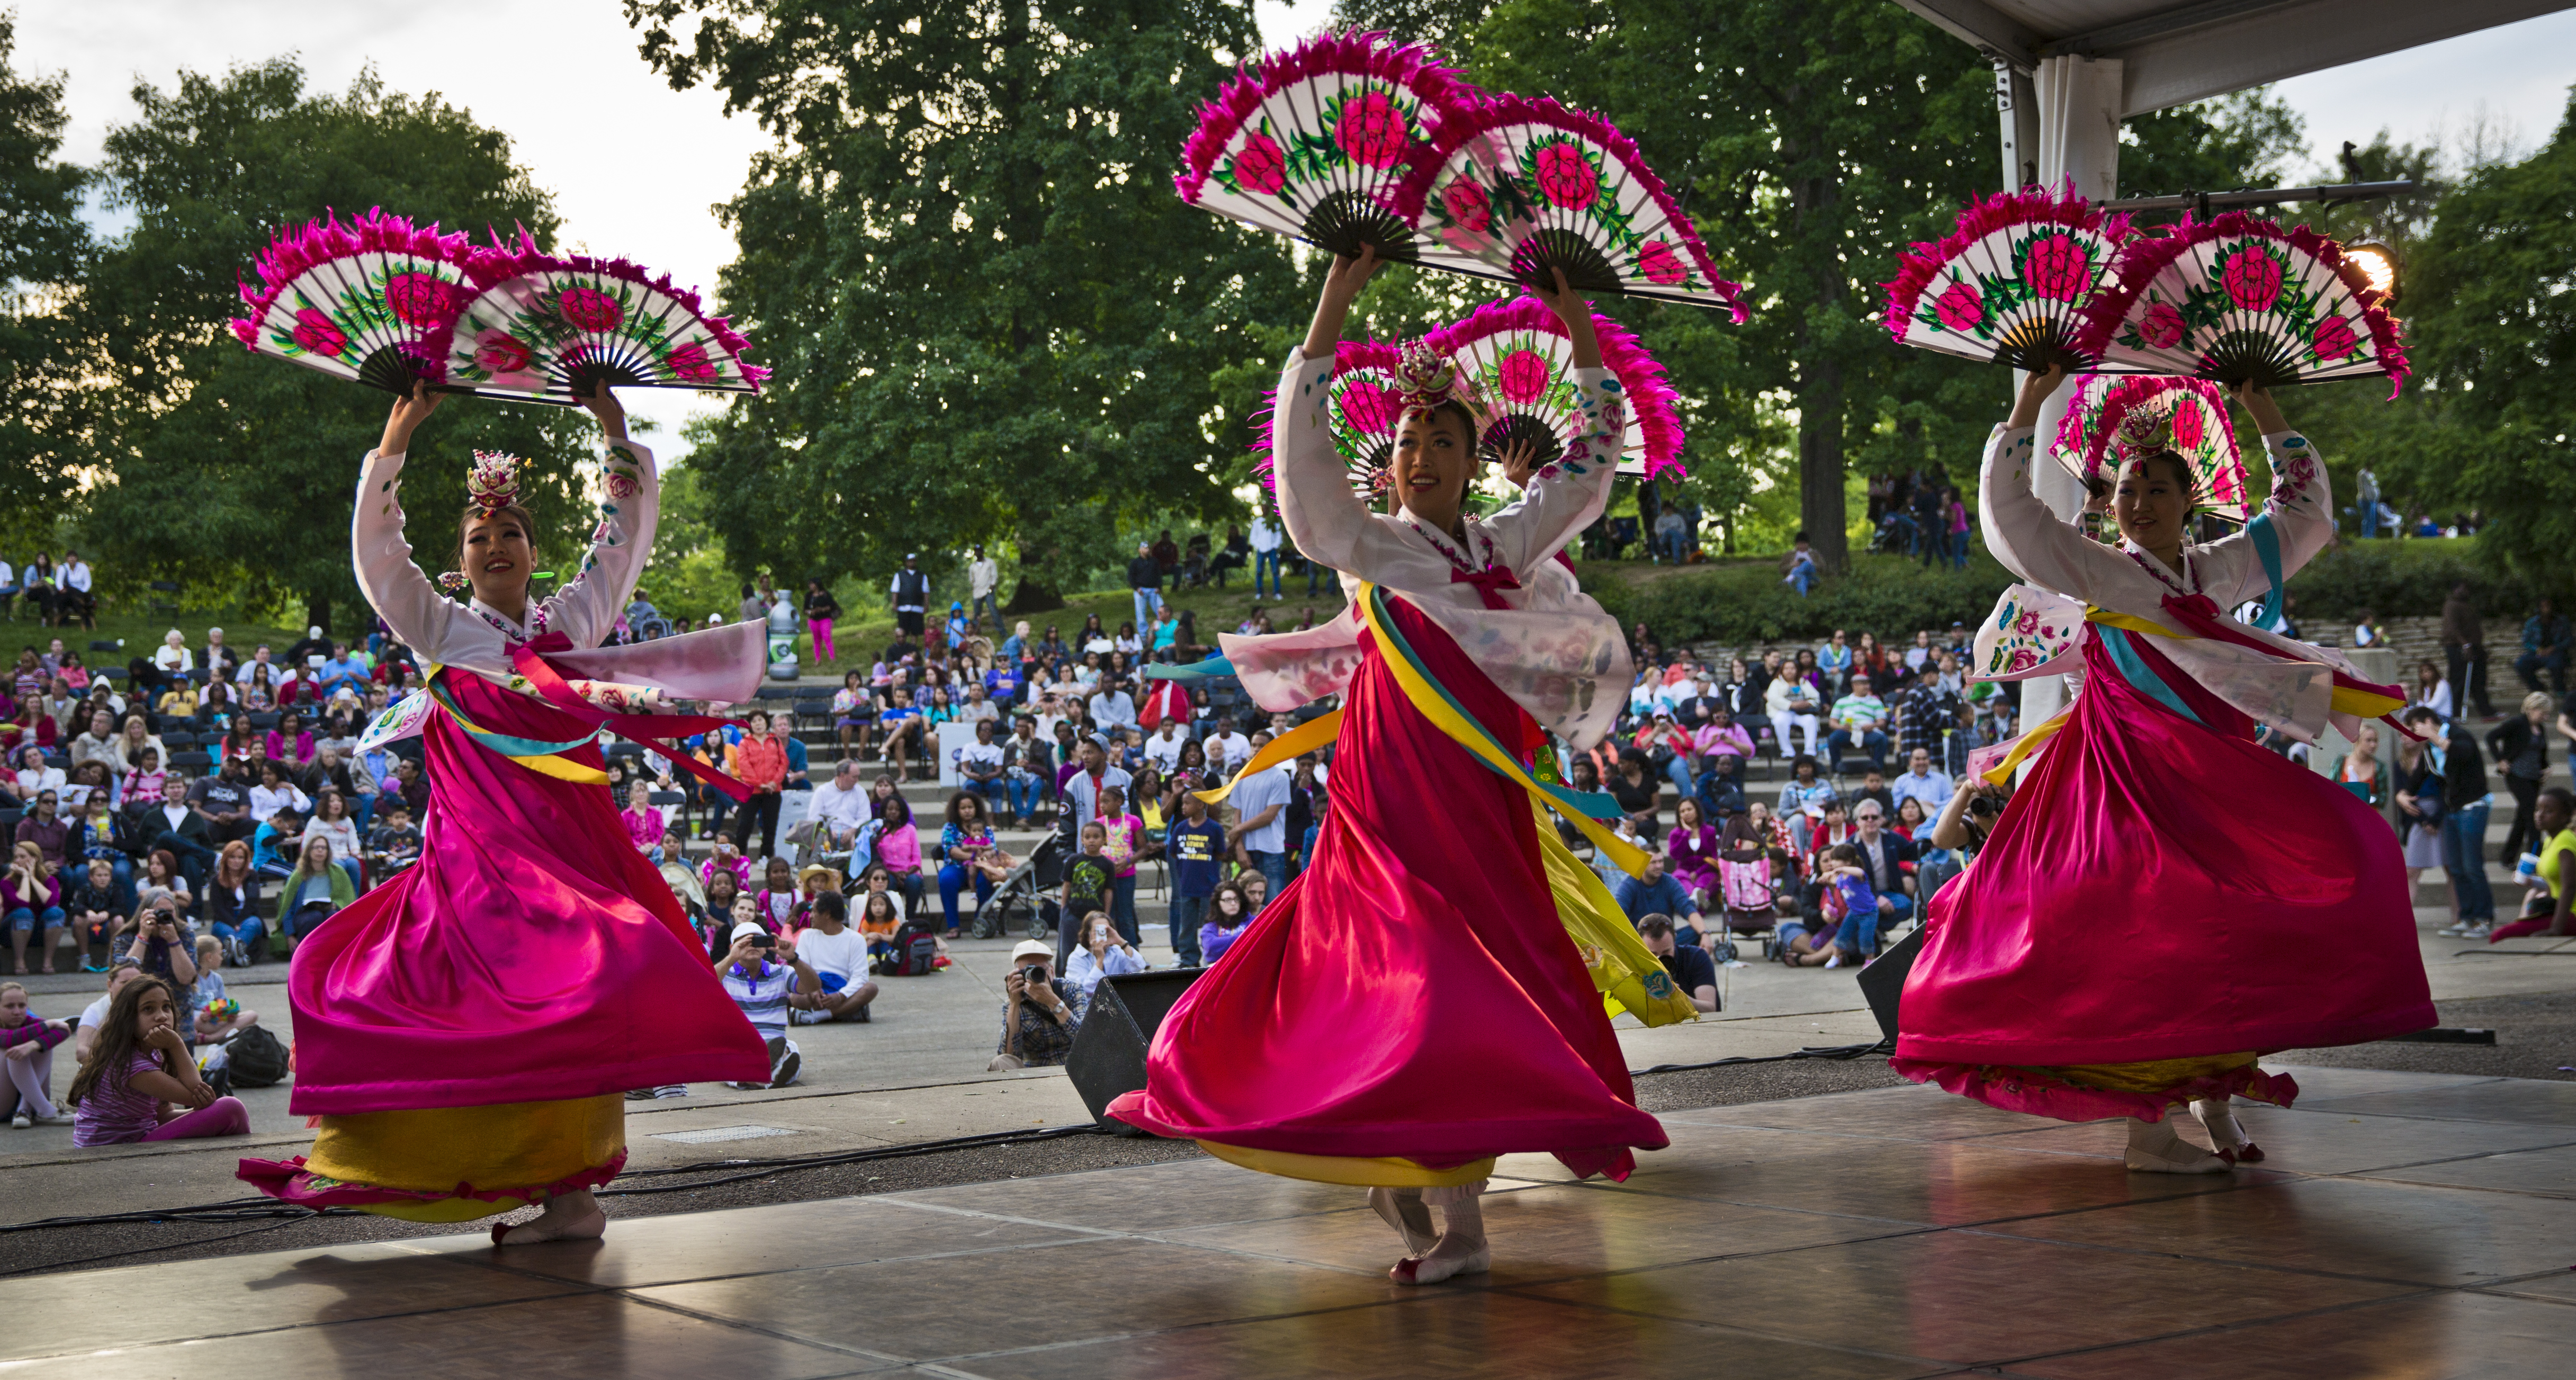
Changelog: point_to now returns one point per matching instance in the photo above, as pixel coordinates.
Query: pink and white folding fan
(1312, 143)
(1361, 406)
(1522, 361)
(2012, 282)
(2113, 413)
(358, 300)
(542, 329)
(2237, 299)
(1514, 187)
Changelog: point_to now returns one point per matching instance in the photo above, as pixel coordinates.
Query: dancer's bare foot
(1462, 1249)
(568, 1217)
(2155, 1149)
(1402, 1209)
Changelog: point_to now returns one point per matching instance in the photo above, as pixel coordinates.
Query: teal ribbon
(1589, 804)
(2267, 548)
(1213, 668)
(2125, 656)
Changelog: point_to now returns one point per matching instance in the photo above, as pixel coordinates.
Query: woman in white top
(1443, 1015)
(172, 657)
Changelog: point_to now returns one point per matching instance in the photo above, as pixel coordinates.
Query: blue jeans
(1803, 575)
(1862, 930)
(1959, 550)
(996, 790)
(1872, 742)
(251, 932)
(2369, 519)
(952, 879)
(26, 918)
(1314, 571)
(1188, 912)
(1149, 601)
(1022, 795)
(1265, 561)
(1122, 907)
(2464, 856)
(1273, 868)
(1678, 772)
(984, 605)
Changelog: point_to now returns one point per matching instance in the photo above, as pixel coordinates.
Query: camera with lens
(1034, 974)
(1982, 806)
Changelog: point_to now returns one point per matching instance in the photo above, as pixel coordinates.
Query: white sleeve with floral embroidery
(2045, 549)
(1331, 524)
(471, 635)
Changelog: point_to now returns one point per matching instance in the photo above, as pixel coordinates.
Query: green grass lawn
(127, 620)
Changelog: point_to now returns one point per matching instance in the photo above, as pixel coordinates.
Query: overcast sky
(636, 167)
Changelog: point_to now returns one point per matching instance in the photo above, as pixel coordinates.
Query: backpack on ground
(916, 951)
(256, 1057)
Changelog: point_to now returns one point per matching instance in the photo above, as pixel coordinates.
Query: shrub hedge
(1744, 601)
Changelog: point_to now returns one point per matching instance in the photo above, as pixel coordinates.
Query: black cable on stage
(1810, 1052)
(141, 1250)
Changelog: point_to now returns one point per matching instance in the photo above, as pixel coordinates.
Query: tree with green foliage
(234, 473)
(42, 246)
(990, 318)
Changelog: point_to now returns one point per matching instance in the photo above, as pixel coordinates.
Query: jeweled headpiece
(2145, 429)
(1427, 378)
(493, 482)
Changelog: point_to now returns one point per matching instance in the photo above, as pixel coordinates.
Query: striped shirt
(762, 996)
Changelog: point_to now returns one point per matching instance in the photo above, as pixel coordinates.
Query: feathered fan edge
(1412, 66)
(2036, 204)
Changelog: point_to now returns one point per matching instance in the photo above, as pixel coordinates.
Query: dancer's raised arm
(2026, 536)
(630, 511)
(2300, 508)
(378, 549)
(1323, 517)
(1565, 496)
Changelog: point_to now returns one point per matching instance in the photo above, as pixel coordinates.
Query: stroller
(1026, 898)
(1751, 903)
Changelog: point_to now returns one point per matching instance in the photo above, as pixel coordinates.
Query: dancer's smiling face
(2151, 501)
(498, 554)
(1435, 454)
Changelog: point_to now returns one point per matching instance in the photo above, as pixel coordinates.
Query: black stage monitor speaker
(1883, 981)
(1108, 1055)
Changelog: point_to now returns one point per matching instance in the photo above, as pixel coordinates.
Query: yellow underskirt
(2152, 1076)
(1344, 1169)
(514, 1147)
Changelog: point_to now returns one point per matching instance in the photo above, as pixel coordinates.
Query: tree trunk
(1033, 596)
(1820, 465)
(317, 611)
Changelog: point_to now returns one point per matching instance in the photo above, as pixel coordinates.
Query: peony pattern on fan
(1522, 361)
(1311, 143)
(543, 329)
(2114, 413)
(2238, 299)
(1514, 188)
(358, 300)
(2012, 282)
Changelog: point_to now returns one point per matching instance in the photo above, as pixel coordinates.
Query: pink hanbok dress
(2164, 900)
(466, 1032)
(1411, 1005)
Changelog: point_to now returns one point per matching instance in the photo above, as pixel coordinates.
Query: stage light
(2378, 263)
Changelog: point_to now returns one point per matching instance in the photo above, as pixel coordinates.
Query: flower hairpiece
(1424, 377)
(492, 484)
(2145, 429)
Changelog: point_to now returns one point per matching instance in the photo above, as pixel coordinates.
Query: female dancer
(466, 1031)
(2133, 935)
(1411, 1006)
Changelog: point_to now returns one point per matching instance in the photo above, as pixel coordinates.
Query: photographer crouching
(1038, 1021)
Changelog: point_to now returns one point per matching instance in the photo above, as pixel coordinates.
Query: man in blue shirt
(343, 670)
(1919, 782)
(1196, 846)
(1658, 892)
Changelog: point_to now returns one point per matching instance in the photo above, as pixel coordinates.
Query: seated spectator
(1637, 792)
(981, 765)
(1104, 953)
(725, 857)
(1227, 913)
(1038, 1019)
(1657, 893)
(120, 971)
(1826, 827)
(342, 671)
(232, 905)
(776, 901)
(1873, 787)
(394, 845)
(898, 851)
(276, 792)
(313, 892)
(1850, 902)
(139, 1083)
(31, 904)
(45, 826)
(1693, 848)
(147, 778)
(27, 1051)
(217, 1016)
(967, 851)
(92, 909)
(332, 823)
(880, 915)
(32, 778)
(717, 917)
(1859, 720)
(276, 846)
(1883, 854)
(761, 972)
(1692, 970)
(161, 873)
(164, 947)
(839, 957)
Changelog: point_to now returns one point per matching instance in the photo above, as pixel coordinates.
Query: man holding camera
(760, 973)
(1038, 1021)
